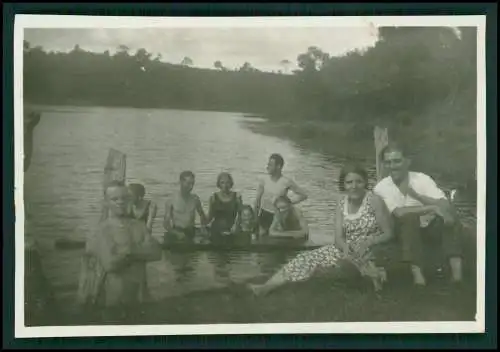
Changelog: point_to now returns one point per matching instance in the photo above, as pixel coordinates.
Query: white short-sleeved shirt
(273, 190)
(421, 183)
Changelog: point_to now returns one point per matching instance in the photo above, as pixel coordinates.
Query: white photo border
(64, 21)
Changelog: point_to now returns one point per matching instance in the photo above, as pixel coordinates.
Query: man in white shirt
(270, 188)
(420, 209)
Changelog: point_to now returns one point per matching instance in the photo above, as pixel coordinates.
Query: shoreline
(335, 139)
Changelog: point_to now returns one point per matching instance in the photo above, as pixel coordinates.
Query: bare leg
(273, 283)
(456, 269)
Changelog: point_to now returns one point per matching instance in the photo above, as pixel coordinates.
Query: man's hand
(445, 215)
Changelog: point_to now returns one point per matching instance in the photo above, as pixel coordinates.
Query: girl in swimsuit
(140, 208)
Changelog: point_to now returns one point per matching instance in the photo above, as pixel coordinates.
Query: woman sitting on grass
(362, 222)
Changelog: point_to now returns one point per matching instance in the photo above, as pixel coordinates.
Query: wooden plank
(381, 138)
(115, 169)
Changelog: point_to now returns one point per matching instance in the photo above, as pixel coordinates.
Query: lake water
(64, 183)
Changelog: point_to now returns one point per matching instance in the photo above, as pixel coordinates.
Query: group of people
(406, 205)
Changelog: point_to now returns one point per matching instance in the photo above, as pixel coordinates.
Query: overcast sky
(264, 48)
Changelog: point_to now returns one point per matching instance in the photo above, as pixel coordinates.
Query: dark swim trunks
(265, 219)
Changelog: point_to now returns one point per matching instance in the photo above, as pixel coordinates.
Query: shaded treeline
(407, 70)
(417, 79)
(139, 80)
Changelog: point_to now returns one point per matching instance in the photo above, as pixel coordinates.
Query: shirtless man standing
(270, 188)
(180, 211)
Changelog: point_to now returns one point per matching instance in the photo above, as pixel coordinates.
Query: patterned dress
(357, 227)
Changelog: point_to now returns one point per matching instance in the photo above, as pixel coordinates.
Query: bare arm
(210, 216)
(258, 198)
(415, 210)
(441, 205)
(201, 212)
(167, 220)
(301, 194)
(237, 220)
(383, 219)
(339, 238)
(153, 209)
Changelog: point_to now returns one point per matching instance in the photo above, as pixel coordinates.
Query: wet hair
(113, 183)
(229, 177)
(278, 159)
(352, 169)
(392, 147)
(186, 174)
(137, 189)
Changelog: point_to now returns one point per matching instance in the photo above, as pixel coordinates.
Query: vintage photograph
(218, 172)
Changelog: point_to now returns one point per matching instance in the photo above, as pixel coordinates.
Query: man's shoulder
(383, 184)
(420, 176)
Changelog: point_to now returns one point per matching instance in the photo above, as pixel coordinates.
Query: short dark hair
(392, 147)
(352, 169)
(225, 174)
(137, 189)
(278, 159)
(186, 174)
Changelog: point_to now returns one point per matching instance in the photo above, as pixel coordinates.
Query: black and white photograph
(180, 176)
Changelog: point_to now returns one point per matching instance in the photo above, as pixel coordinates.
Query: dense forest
(413, 77)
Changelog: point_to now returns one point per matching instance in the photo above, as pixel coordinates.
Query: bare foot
(418, 277)
(256, 289)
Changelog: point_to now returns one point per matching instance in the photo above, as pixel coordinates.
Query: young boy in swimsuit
(272, 187)
(180, 211)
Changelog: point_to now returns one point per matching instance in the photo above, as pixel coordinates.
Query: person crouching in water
(224, 210)
(140, 208)
(121, 247)
(288, 220)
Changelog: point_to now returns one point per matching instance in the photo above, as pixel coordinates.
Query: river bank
(449, 159)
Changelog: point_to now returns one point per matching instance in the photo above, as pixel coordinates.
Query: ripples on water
(63, 184)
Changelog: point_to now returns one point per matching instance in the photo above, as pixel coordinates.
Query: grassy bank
(338, 295)
(450, 159)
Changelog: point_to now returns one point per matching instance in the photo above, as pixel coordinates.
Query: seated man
(420, 209)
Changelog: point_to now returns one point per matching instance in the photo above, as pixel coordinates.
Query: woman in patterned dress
(362, 222)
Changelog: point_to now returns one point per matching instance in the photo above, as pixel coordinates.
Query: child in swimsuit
(140, 208)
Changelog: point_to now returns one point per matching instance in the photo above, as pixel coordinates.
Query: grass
(339, 295)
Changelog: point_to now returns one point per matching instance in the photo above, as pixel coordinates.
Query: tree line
(408, 73)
